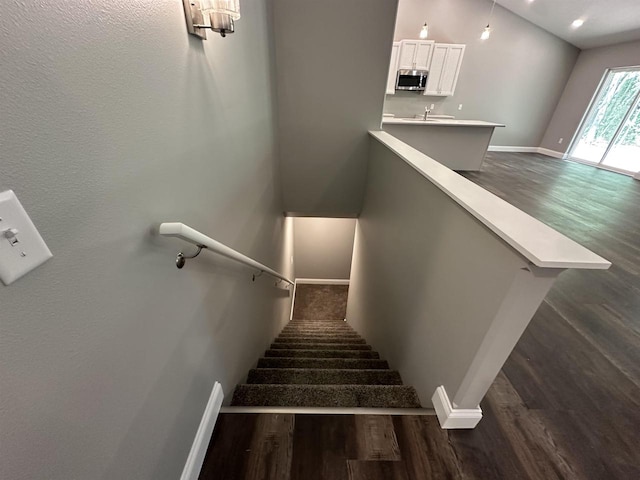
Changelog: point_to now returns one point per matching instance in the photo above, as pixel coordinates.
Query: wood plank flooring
(567, 402)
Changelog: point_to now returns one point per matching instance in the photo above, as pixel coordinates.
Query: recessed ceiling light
(577, 23)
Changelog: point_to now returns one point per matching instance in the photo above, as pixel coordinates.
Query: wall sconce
(220, 13)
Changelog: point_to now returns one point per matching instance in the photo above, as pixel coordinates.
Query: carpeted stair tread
(307, 333)
(320, 346)
(340, 325)
(371, 396)
(321, 340)
(284, 352)
(341, 363)
(323, 376)
(340, 328)
(318, 324)
(313, 331)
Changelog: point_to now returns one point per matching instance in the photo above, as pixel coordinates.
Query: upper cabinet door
(393, 69)
(437, 66)
(451, 69)
(407, 57)
(415, 54)
(445, 68)
(423, 55)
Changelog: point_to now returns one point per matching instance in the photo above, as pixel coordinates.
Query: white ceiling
(605, 21)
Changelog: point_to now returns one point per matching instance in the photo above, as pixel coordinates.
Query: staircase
(323, 363)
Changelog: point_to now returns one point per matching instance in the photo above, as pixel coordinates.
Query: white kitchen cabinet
(393, 69)
(444, 70)
(415, 54)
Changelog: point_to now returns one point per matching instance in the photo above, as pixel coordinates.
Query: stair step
(284, 352)
(333, 333)
(321, 340)
(320, 346)
(296, 324)
(323, 376)
(317, 320)
(318, 325)
(371, 396)
(310, 331)
(341, 363)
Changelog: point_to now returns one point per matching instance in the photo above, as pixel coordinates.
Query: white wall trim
(200, 444)
(323, 281)
(543, 151)
(293, 300)
(498, 148)
(551, 153)
(451, 417)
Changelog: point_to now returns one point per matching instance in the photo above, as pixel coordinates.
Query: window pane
(606, 115)
(625, 153)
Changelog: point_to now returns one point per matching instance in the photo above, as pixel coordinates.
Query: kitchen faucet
(427, 111)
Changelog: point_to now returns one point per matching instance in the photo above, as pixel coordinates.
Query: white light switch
(21, 247)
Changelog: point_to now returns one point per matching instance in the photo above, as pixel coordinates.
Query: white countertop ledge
(439, 122)
(540, 244)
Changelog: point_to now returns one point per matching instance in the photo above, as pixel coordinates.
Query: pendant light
(486, 33)
(424, 32)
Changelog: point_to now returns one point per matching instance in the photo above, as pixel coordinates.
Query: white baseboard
(550, 153)
(498, 148)
(543, 151)
(200, 444)
(451, 417)
(323, 281)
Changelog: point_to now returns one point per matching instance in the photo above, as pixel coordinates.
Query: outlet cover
(22, 249)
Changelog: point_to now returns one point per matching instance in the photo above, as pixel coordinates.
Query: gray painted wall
(323, 247)
(581, 87)
(516, 77)
(424, 300)
(114, 118)
(332, 59)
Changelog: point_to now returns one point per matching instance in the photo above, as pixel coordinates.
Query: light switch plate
(21, 251)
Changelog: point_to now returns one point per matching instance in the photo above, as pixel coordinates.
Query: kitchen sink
(421, 120)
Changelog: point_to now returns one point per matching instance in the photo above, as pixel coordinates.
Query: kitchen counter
(439, 122)
(457, 144)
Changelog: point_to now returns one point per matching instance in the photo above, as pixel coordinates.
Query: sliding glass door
(610, 132)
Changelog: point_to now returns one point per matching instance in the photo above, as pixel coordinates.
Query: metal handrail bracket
(188, 234)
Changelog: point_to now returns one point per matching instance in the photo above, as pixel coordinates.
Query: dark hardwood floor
(567, 402)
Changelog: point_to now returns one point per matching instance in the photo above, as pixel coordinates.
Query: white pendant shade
(486, 33)
(424, 32)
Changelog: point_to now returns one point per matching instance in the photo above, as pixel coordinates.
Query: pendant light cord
(491, 12)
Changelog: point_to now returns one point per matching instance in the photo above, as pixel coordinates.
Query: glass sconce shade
(226, 7)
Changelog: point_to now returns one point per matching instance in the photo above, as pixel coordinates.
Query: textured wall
(114, 118)
(425, 301)
(332, 59)
(581, 87)
(516, 77)
(323, 247)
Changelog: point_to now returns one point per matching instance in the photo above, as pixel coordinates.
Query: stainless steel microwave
(415, 80)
